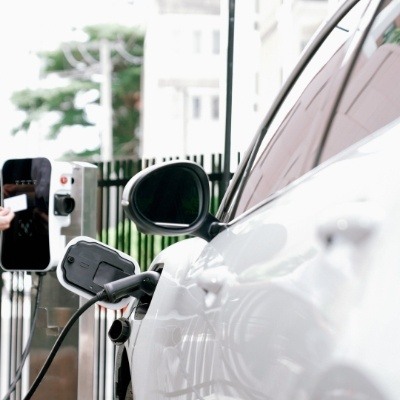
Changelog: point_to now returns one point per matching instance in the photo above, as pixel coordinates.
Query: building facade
(184, 75)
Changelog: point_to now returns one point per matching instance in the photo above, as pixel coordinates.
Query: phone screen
(25, 187)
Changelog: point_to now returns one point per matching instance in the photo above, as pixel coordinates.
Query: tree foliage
(78, 63)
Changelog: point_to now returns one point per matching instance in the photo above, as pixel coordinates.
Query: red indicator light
(63, 180)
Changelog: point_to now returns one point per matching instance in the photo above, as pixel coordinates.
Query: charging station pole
(54, 202)
(83, 223)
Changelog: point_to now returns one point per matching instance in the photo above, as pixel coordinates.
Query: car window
(293, 137)
(372, 97)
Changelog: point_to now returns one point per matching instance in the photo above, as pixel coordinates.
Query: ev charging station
(53, 202)
(39, 192)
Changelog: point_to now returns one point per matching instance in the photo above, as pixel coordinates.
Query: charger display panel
(25, 188)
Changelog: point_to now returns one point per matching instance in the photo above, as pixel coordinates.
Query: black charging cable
(99, 297)
(24, 356)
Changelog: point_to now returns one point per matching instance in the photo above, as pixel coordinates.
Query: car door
(296, 262)
(247, 316)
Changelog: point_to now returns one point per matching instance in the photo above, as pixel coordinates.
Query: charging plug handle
(135, 285)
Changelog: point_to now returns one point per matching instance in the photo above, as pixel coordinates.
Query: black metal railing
(116, 230)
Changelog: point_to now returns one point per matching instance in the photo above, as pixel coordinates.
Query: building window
(196, 107)
(176, 45)
(197, 42)
(257, 83)
(215, 42)
(215, 107)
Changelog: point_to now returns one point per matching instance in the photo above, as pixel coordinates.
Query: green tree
(393, 36)
(78, 63)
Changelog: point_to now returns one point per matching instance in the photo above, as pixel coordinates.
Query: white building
(184, 75)
(181, 85)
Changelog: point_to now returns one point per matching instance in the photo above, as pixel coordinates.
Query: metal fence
(113, 226)
(19, 291)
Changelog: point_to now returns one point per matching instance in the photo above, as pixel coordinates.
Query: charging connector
(135, 285)
(88, 265)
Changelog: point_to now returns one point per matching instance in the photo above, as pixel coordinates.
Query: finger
(7, 215)
(5, 211)
(4, 223)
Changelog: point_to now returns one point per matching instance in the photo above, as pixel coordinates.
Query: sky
(27, 26)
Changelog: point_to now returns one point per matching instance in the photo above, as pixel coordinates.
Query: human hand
(6, 216)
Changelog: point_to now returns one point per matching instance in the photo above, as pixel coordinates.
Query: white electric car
(292, 291)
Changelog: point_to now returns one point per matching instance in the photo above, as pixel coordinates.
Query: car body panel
(285, 293)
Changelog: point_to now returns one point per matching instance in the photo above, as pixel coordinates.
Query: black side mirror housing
(171, 199)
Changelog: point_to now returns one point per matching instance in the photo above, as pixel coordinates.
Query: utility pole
(87, 66)
(229, 80)
(106, 131)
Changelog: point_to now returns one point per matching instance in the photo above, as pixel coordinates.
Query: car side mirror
(170, 199)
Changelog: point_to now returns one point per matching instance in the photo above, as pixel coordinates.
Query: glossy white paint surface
(303, 286)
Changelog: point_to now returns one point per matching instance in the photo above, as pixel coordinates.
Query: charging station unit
(39, 192)
(54, 202)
